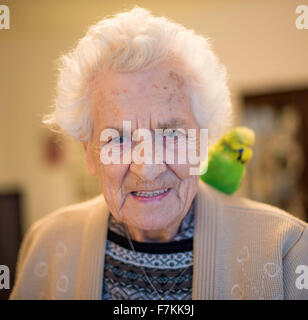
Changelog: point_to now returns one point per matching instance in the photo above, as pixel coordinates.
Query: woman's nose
(150, 162)
(148, 172)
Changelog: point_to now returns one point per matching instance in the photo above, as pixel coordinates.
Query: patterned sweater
(168, 265)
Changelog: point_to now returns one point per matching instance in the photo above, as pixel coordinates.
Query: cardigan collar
(209, 210)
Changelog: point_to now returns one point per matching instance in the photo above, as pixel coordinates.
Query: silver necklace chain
(145, 274)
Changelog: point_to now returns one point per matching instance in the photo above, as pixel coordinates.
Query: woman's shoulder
(68, 221)
(56, 240)
(81, 210)
(253, 209)
(253, 220)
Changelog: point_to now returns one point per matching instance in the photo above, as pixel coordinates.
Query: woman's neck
(164, 235)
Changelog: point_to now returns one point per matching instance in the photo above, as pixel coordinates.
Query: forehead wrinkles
(115, 85)
(116, 96)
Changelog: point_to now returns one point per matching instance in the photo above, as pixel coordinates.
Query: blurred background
(266, 58)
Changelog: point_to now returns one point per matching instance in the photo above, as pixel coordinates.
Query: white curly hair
(133, 41)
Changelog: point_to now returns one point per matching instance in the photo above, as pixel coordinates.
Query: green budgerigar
(227, 160)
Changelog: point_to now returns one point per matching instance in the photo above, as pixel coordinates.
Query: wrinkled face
(155, 99)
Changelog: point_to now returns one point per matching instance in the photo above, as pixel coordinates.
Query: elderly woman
(156, 232)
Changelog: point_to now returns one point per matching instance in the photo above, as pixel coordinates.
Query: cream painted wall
(256, 40)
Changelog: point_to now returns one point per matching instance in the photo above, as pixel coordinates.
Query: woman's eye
(118, 140)
(170, 133)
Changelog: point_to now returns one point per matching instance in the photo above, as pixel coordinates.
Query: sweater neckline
(152, 247)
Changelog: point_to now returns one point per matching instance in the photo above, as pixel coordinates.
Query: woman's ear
(89, 158)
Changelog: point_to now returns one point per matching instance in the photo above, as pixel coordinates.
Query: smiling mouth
(151, 194)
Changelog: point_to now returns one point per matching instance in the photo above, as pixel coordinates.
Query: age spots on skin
(171, 96)
(172, 88)
(177, 78)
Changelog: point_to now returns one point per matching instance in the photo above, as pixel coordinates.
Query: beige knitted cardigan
(242, 250)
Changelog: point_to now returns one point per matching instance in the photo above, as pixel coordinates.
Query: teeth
(150, 194)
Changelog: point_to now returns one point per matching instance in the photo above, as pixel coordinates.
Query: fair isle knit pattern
(168, 265)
